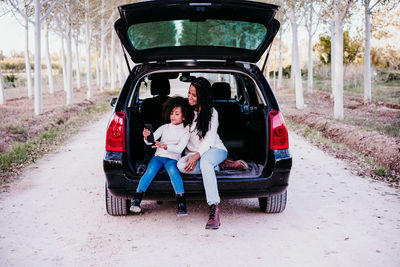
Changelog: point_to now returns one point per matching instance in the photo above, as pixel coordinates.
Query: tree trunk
(293, 67)
(296, 64)
(77, 65)
(2, 97)
(88, 59)
(64, 65)
(267, 70)
(113, 68)
(333, 56)
(280, 60)
(338, 96)
(108, 65)
(367, 55)
(48, 62)
(70, 92)
(38, 62)
(96, 57)
(273, 69)
(310, 56)
(27, 61)
(102, 55)
(120, 73)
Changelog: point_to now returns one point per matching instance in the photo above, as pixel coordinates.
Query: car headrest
(160, 86)
(221, 91)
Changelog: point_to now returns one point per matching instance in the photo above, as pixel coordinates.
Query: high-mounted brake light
(279, 138)
(115, 139)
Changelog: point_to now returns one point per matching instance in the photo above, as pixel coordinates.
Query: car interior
(242, 115)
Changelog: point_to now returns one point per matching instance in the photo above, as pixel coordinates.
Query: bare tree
(2, 97)
(296, 70)
(48, 60)
(113, 64)
(120, 72)
(340, 13)
(26, 10)
(38, 20)
(369, 5)
(309, 23)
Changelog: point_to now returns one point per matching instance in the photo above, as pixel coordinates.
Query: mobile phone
(150, 138)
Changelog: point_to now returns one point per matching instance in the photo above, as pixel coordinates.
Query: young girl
(174, 138)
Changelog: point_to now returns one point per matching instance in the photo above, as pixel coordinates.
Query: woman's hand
(191, 162)
(158, 144)
(146, 133)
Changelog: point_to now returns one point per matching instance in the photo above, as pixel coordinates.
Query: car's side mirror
(113, 101)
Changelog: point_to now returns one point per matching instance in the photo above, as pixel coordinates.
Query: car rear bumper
(120, 185)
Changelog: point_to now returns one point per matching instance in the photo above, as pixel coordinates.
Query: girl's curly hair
(178, 101)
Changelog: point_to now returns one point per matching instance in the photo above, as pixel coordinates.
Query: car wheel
(273, 204)
(116, 206)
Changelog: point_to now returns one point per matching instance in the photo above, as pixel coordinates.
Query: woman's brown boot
(238, 165)
(213, 221)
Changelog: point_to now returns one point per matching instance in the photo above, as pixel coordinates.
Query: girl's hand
(158, 144)
(146, 133)
(191, 162)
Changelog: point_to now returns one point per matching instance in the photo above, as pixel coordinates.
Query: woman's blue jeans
(155, 164)
(206, 166)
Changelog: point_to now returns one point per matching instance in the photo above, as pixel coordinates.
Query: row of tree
(92, 20)
(335, 13)
(87, 21)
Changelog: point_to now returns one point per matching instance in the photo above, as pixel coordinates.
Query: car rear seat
(229, 116)
(151, 108)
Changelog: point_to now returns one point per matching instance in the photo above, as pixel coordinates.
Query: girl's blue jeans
(207, 165)
(155, 164)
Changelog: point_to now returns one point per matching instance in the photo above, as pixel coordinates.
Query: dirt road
(54, 215)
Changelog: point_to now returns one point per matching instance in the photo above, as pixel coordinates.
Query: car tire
(116, 206)
(273, 204)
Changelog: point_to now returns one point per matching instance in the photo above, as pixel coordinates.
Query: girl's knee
(171, 166)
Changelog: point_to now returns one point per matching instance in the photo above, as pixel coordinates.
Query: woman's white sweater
(211, 140)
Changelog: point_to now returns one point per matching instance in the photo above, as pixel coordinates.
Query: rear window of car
(180, 88)
(221, 33)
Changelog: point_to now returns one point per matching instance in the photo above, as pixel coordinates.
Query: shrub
(393, 76)
(10, 79)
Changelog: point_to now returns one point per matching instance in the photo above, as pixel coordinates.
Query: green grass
(384, 92)
(380, 171)
(18, 154)
(17, 129)
(372, 124)
(23, 154)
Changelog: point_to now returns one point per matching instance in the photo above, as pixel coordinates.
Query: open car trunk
(242, 118)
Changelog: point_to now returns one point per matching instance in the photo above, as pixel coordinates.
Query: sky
(13, 36)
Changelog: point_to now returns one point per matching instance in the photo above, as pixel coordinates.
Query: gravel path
(54, 215)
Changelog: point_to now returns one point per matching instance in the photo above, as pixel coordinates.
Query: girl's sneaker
(137, 198)
(181, 200)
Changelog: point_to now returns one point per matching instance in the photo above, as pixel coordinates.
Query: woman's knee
(180, 165)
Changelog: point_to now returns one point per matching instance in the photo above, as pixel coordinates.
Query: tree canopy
(351, 48)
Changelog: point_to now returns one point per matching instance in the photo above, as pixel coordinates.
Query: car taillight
(279, 138)
(115, 139)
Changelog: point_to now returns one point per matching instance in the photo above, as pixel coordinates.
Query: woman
(205, 149)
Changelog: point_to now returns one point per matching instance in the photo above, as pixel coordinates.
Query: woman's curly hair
(178, 101)
(204, 105)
